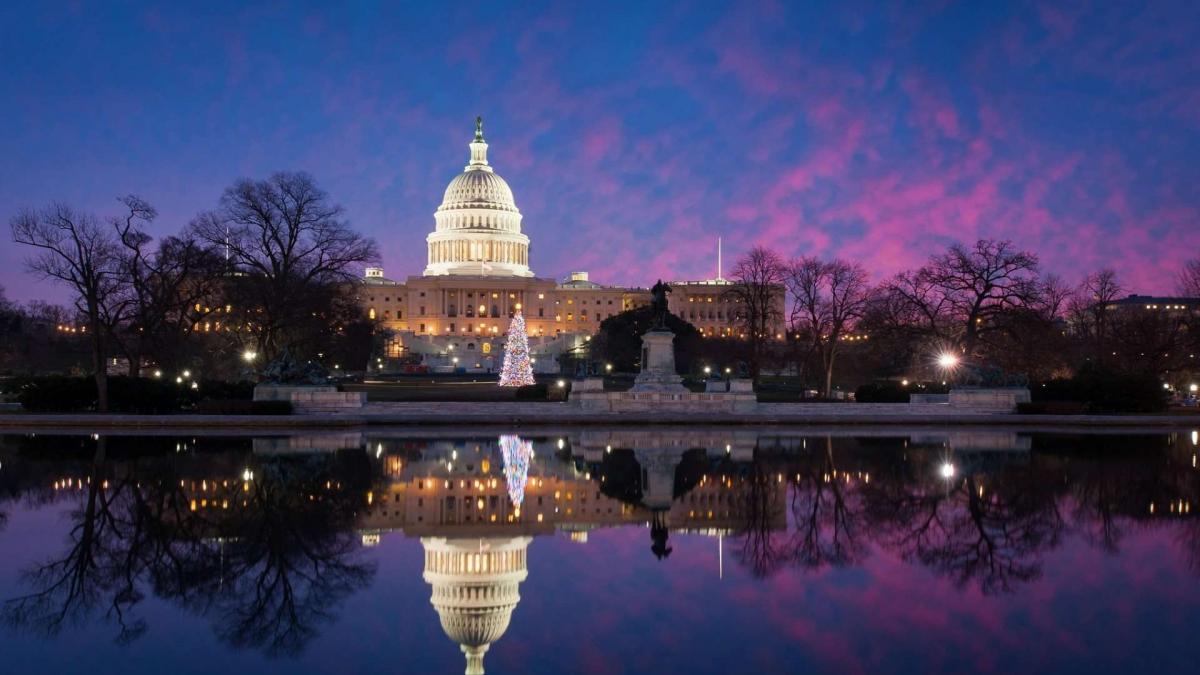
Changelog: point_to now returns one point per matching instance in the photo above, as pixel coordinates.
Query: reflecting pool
(601, 551)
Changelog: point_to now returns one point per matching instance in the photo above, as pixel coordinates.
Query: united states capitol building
(479, 274)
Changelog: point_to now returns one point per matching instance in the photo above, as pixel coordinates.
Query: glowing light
(947, 360)
(946, 470)
(249, 355)
(562, 384)
(518, 369)
(903, 383)
(1193, 387)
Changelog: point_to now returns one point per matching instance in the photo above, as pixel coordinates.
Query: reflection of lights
(947, 360)
(946, 470)
(516, 453)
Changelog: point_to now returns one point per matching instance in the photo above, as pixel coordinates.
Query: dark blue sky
(633, 134)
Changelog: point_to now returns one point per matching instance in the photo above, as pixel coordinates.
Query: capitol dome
(477, 228)
(475, 589)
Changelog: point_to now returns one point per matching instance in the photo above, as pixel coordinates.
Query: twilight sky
(633, 134)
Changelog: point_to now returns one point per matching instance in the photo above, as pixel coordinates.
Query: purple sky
(633, 135)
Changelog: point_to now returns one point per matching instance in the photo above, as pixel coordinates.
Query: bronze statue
(658, 304)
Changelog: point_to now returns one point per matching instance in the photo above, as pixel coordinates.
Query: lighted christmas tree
(518, 370)
(516, 453)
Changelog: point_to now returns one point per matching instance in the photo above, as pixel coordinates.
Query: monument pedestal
(658, 364)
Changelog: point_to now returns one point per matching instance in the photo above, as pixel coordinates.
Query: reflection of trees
(827, 515)
(991, 529)
(283, 564)
(92, 571)
(267, 566)
(761, 549)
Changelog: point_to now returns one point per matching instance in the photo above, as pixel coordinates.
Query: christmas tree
(518, 371)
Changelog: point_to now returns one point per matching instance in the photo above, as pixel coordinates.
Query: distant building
(1157, 303)
(478, 275)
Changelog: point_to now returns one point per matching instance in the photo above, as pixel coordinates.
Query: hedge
(125, 394)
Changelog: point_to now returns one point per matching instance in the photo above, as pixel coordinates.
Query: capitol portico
(478, 276)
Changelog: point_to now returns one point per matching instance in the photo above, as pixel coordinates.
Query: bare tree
(75, 249)
(757, 290)
(964, 297)
(1189, 278)
(828, 299)
(1091, 311)
(287, 244)
(163, 284)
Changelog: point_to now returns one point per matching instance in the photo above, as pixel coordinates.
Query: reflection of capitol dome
(478, 225)
(475, 589)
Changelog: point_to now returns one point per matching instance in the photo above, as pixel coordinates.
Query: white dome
(478, 190)
(477, 229)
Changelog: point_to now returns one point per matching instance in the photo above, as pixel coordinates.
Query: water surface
(605, 551)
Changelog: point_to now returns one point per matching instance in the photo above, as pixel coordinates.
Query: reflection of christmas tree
(516, 453)
(518, 371)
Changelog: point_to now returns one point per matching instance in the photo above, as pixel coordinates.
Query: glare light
(1193, 387)
(562, 384)
(947, 470)
(903, 383)
(947, 360)
(249, 355)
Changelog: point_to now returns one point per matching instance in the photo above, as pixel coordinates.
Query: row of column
(471, 251)
(458, 300)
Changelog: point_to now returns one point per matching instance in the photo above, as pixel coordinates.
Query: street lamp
(946, 470)
(707, 371)
(249, 355)
(947, 361)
